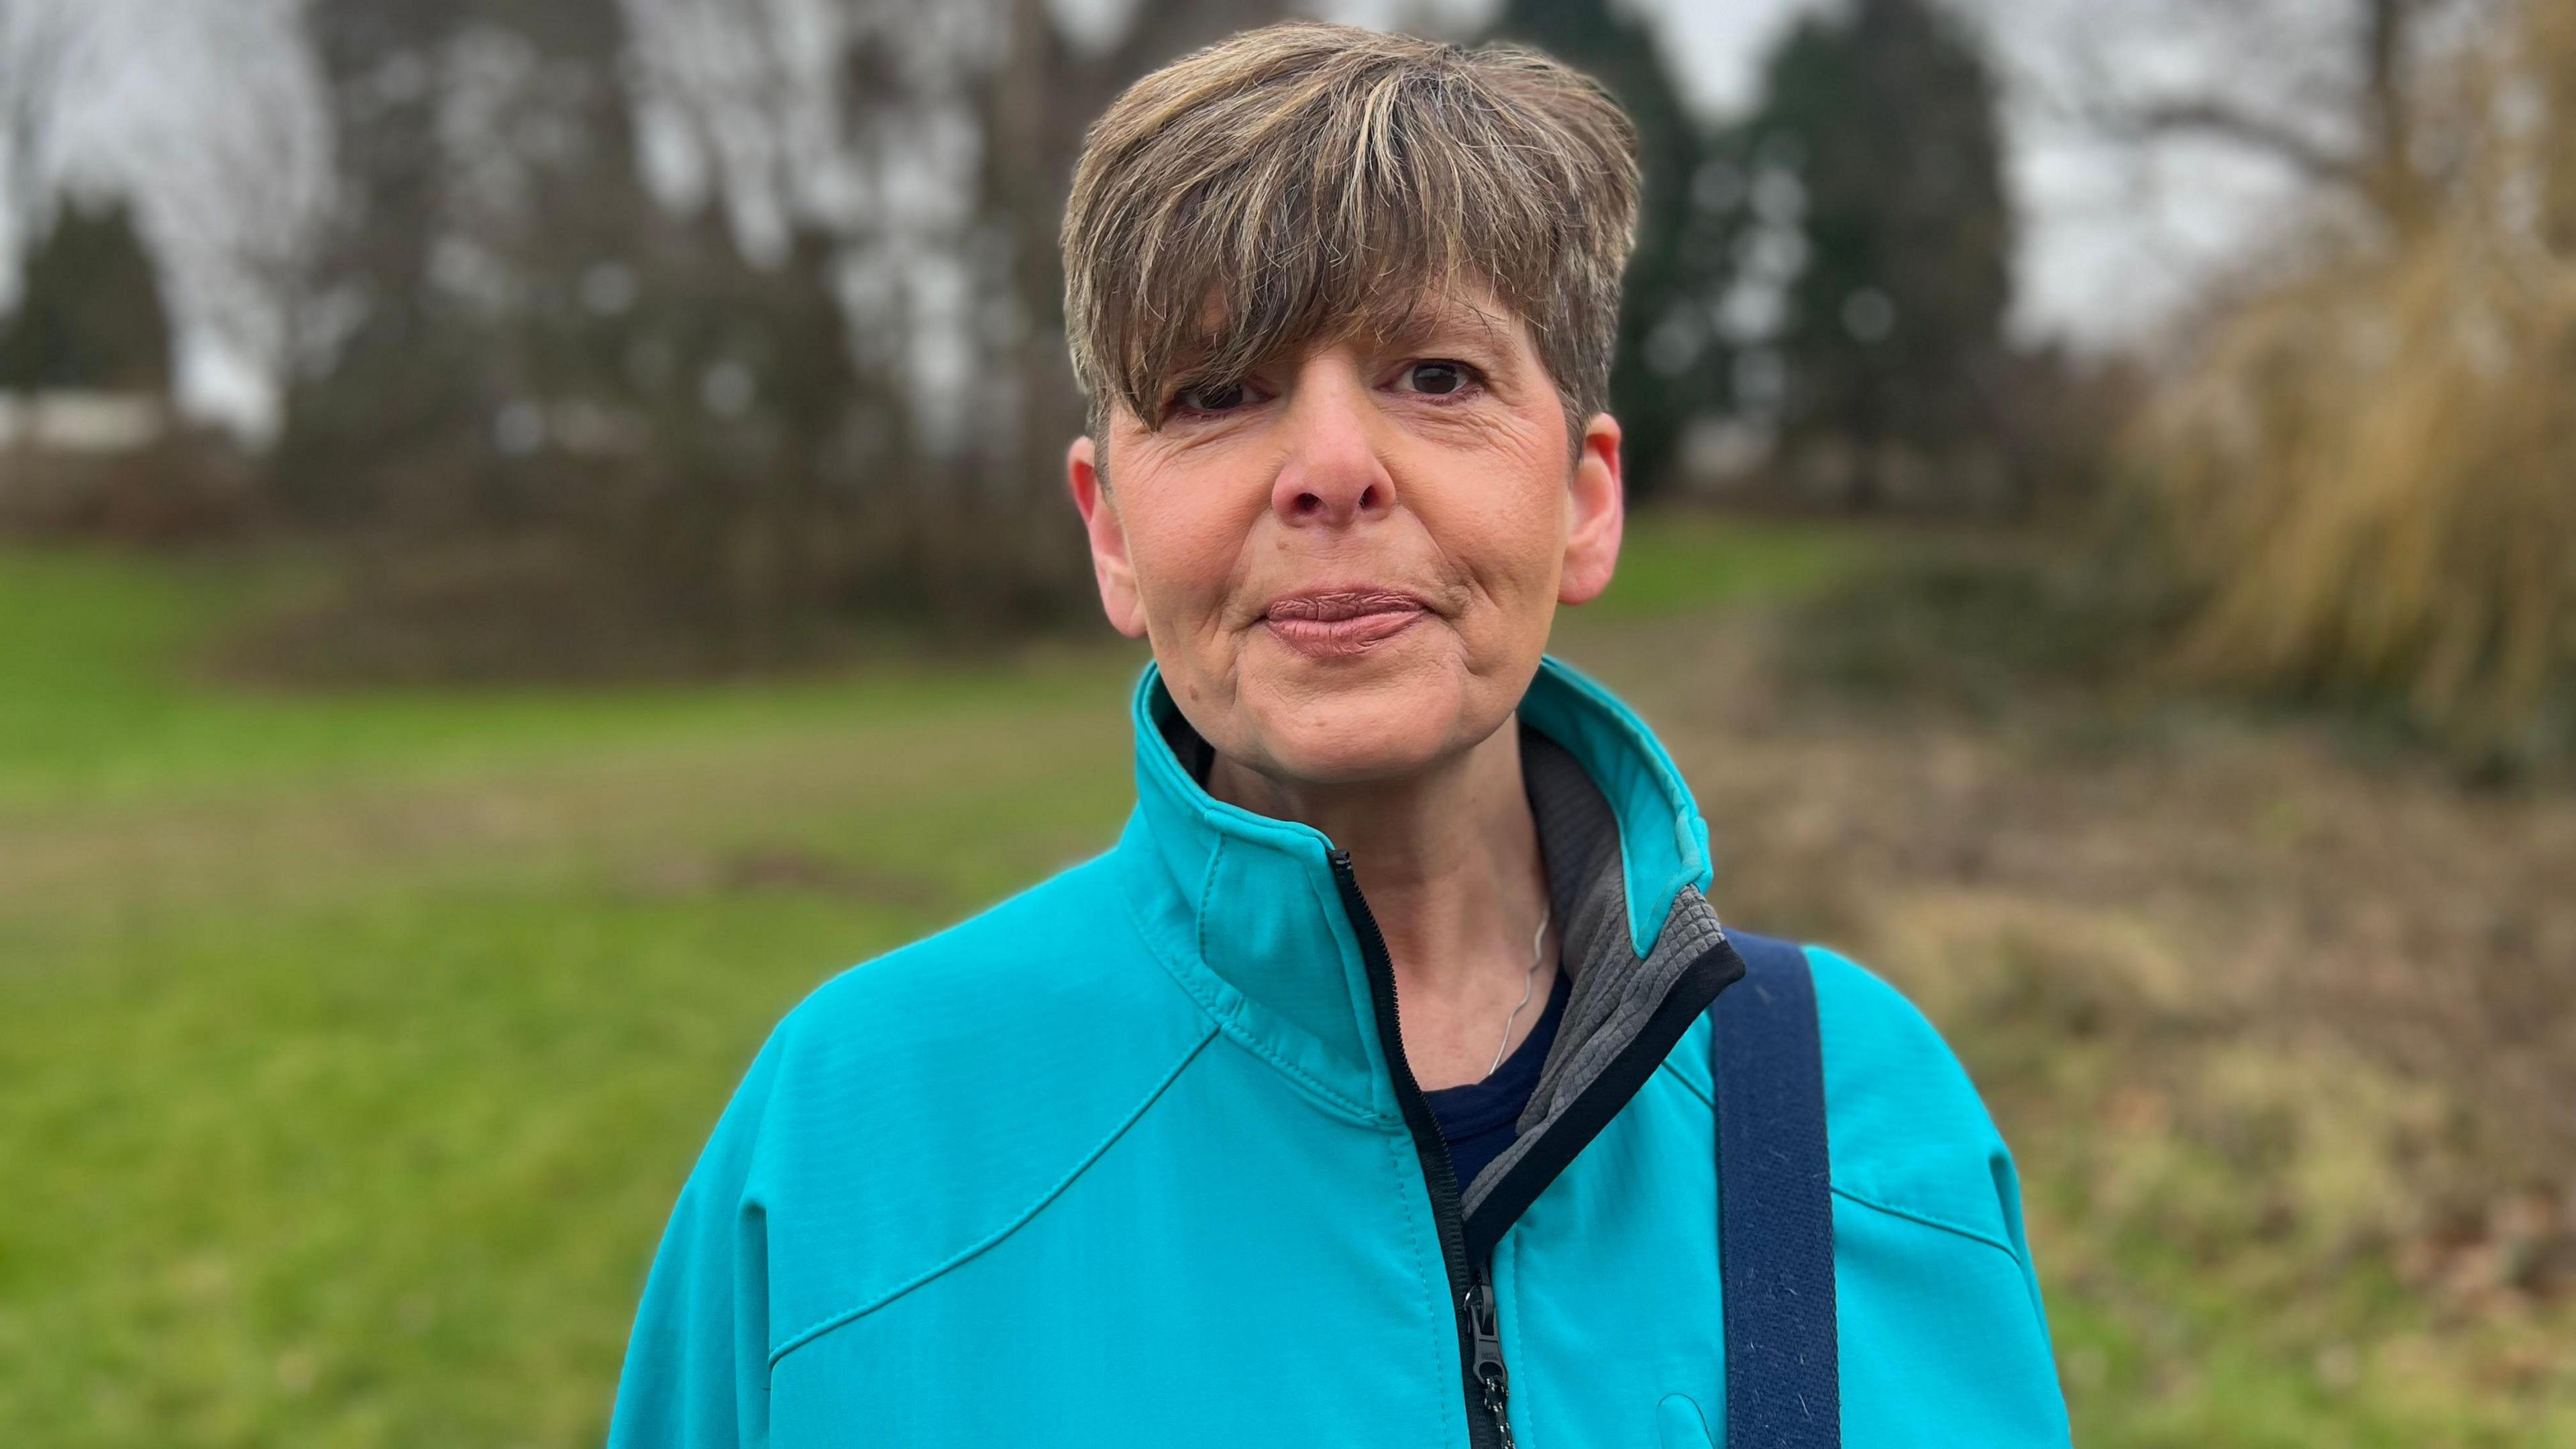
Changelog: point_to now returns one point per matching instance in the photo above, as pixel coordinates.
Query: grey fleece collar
(1614, 990)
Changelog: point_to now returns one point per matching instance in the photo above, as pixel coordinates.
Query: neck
(1449, 860)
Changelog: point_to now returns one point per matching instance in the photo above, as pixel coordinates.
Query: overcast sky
(187, 101)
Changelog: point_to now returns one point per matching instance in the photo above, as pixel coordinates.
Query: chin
(1367, 728)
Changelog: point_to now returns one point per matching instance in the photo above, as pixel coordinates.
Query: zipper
(1487, 1364)
(1486, 1386)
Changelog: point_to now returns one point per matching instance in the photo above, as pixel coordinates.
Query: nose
(1331, 475)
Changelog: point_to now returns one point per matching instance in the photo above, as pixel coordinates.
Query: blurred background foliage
(2370, 462)
(532, 532)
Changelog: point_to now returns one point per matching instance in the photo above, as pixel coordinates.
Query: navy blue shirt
(1476, 1118)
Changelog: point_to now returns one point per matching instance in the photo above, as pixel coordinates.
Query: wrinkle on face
(1477, 525)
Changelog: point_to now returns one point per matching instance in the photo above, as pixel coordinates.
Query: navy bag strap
(1775, 1212)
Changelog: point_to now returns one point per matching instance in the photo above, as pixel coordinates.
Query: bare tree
(247, 194)
(2334, 91)
(46, 50)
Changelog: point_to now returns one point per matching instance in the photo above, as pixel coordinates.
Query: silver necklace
(1528, 980)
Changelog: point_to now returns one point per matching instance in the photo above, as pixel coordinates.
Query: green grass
(375, 1173)
(100, 653)
(356, 1043)
(103, 701)
(1674, 562)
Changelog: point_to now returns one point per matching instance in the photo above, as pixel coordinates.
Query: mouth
(1338, 623)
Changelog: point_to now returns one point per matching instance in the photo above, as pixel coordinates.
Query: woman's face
(1347, 564)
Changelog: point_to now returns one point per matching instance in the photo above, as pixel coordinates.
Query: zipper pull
(1488, 1361)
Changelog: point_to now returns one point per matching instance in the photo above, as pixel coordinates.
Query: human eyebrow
(1449, 326)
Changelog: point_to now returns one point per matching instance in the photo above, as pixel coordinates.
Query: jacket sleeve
(1930, 1249)
(697, 1363)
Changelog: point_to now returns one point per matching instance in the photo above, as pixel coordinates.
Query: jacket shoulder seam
(1226, 1022)
(1353, 1111)
(1872, 1201)
(1670, 1064)
(1927, 1219)
(1013, 1223)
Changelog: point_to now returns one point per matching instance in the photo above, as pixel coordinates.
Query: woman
(1362, 1093)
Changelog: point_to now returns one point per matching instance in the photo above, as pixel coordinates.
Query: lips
(1338, 623)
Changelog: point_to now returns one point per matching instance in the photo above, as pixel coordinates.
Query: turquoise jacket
(1132, 1158)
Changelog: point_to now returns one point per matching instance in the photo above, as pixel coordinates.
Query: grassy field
(355, 1043)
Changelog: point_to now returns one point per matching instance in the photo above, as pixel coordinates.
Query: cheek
(1504, 508)
(1511, 537)
(1185, 537)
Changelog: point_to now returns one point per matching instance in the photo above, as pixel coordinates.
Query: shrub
(2369, 468)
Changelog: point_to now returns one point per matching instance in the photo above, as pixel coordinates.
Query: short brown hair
(1304, 179)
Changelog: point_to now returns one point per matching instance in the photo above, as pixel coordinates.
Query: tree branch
(2223, 121)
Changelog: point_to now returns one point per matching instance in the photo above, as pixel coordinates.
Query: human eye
(1439, 377)
(1208, 399)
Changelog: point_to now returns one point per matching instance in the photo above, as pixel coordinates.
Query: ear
(1108, 535)
(1594, 514)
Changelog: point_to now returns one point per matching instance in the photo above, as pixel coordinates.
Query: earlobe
(1111, 568)
(1595, 507)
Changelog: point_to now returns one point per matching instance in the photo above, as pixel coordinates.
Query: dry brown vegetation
(2370, 464)
(2273, 1026)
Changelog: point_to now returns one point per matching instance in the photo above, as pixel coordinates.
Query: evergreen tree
(90, 314)
(1667, 366)
(1893, 331)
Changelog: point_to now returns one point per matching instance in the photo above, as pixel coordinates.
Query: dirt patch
(786, 868)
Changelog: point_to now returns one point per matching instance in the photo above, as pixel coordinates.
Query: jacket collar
(1244, 910)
